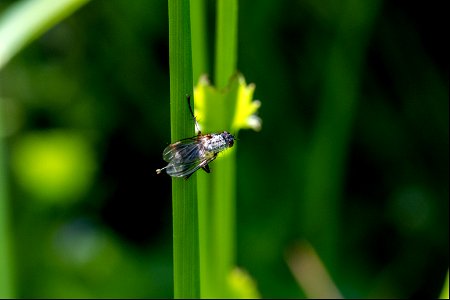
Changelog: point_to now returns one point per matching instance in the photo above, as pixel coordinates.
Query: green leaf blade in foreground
(25, 21)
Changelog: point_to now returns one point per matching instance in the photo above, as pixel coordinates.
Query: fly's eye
(230, 143)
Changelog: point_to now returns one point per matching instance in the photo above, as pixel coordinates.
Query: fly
(190, 154)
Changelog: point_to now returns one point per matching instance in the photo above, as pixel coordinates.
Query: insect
(190, 154)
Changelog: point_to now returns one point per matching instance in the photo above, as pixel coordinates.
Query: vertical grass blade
(6, 258)
(199, 38)
(226, 42)
(444, 292)
(184, 192)
(224, 199)
(217, 204)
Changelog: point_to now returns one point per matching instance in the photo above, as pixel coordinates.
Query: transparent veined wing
(186, 169)
(186, 150)
(186, 156)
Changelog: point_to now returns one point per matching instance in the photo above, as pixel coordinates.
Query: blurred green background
(352, 155)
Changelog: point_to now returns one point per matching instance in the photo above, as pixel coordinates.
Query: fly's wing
(186, 150)
(186, 169)
(185, 157)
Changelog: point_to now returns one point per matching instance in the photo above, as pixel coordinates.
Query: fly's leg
(158, 171)
(206, 168)
(188, 97)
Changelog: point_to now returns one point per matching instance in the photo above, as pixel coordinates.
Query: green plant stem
(6, 258)
(199, 38)
(184, 192)
(224, 200)
(226, 42)
(444, 291)
(25, 21)
(217, 204)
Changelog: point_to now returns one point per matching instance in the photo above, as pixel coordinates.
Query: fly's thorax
(217, 142)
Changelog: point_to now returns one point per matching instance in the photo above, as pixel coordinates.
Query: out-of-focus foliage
(444, 292)
(91, 96)
(53, 166)
(242, 286)
(26, 20)
(238, 94)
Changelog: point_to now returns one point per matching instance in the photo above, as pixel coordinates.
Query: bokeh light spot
(54, 166)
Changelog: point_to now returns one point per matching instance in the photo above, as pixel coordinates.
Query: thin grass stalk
(184, 192)
(216, 191)
(444, 292)
(7, 289)
(199, 39)
(226, 42)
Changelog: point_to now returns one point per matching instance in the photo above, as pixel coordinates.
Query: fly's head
(229, 138)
